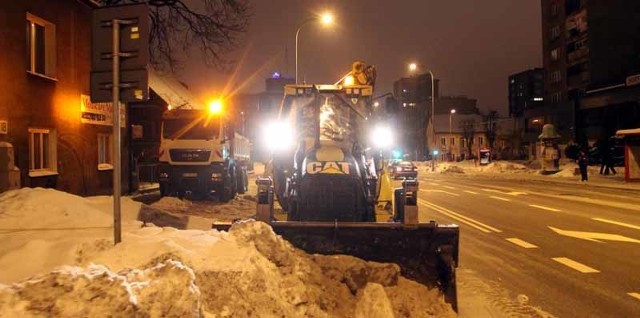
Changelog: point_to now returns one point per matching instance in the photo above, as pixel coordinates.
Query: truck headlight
(382, 137)
(164, 175)
(279, 136)
(216, 176)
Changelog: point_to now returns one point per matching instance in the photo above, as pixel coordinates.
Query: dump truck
(202, 154)
(333, 185)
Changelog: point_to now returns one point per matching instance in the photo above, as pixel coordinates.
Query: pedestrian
(582, 163)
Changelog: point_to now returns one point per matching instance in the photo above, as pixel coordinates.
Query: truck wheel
(164, 190)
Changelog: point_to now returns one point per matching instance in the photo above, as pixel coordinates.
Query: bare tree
(468, 127)
(213, 26)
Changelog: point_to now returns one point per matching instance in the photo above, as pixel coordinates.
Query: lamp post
(453, 111)
(413, 67)
(326, 19)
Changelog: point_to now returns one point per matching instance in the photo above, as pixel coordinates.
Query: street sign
(134, 37)
(133, 53)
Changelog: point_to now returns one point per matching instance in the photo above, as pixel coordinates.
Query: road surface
(571, 250)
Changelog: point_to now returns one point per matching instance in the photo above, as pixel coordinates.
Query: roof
(172, 91)
(625, 132)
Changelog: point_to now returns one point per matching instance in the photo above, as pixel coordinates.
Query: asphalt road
(571, 250)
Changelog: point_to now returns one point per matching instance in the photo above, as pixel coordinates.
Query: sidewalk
(517, 171)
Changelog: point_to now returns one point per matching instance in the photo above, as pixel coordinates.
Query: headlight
(164, 175)
(279, 136)
(382, 137)
(216, 175)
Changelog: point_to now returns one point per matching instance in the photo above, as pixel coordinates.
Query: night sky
(472, 46)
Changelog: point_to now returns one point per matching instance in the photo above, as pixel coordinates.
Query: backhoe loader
(333, 185)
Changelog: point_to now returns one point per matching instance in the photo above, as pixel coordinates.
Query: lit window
(105, 149)
(480, 141)
(555, 32)
(453, 141)
(443, 141)
(42, 151)
(554, 54)
(41, 46)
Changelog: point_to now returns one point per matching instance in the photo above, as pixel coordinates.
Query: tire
(228, 188)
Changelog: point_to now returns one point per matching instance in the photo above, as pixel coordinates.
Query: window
(42, 152)
(555, 9)
(480, 141)
(556, 97)
(464, 142)
(105, 149)
(555, 32)
(556, 77)
(443, 141)
(554, 54)
(453, 141)
(41, 47)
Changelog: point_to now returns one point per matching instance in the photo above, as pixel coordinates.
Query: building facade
(590, 48)
(60, 139)
(413, 95)
(526, 107)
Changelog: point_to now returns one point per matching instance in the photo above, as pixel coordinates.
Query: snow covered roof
(623, 132)
(172, 91)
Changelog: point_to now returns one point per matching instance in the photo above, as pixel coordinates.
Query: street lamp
(413, 67)
(453, 111)
(325, 19)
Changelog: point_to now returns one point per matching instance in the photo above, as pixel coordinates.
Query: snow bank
(160, 272)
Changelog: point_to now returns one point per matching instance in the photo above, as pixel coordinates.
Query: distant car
(403, 170)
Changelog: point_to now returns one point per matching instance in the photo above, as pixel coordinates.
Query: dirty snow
(58, 259)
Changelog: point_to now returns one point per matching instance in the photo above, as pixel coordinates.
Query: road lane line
(617, 223)
(521, 243)
(449, 187)
(544, 208)
(460, 217)
(433, 183)
(634, 295)
(439, 191)
(491, 190)
(575, 265)
(499, 198)
(467, 191)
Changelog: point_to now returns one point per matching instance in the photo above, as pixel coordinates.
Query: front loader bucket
(426, 253)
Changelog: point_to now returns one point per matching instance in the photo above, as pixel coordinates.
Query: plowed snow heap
(164, 272)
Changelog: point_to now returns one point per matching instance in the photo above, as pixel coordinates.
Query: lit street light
(326, 19)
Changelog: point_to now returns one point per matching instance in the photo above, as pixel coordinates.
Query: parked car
(403, 170)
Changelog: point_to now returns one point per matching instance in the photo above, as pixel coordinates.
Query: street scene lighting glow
(453, 111)
(327, 19)
(215, 107)
(413, 67)
(349, 81)
(278, 136)
(382, 137)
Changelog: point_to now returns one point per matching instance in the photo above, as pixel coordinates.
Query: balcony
(578, 55)
(578, 80)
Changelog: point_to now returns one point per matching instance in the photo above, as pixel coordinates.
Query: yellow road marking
(634, 295)
(544, 208)
(449, 187)
(575, 265)
(521, 243)
(618, 223)
(467, 191)
(464, 219)
(499, 198)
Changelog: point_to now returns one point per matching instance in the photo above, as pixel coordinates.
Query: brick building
(60, 139)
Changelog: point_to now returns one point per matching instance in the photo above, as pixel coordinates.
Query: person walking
(582, 163)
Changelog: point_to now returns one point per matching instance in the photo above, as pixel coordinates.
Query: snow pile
(504, 167)
(172, 204)
(241, 207)
(159, 272)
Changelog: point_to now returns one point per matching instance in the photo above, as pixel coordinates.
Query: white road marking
(521, 243)
(516, 193)
(575, 265)
(634, 295)
(618, 223)
(439, 191)
(491, 190)
(449, 187)
(467, 191)
(433, 183)
(464, 219)
(594, 236)
(499, 198)
(544, 208)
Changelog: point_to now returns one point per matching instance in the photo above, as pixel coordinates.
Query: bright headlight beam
(382, 137)
(278, 136)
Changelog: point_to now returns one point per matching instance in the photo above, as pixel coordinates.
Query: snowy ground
(58, 259)
(529, 170)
